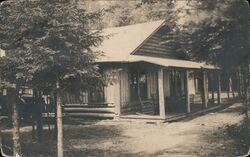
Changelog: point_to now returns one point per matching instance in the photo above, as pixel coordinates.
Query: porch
(156, 92)
(195, 108)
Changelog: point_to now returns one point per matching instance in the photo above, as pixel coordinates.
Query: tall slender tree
(10, 82)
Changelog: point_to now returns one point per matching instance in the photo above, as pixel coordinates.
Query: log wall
(154, 47)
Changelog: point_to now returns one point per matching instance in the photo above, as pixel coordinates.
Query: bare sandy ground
(195, 136)
(201, 136)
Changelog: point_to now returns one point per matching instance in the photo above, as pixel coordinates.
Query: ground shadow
(229, 140)
(79, 140)
(198, 114)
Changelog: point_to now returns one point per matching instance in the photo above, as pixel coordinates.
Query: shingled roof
(121, 43)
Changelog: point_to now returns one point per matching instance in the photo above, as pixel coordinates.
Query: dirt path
(203, 136)
(199, 136)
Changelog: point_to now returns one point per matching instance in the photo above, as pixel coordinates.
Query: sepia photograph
(124, 78)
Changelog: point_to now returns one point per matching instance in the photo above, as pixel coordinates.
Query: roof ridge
(134, 24)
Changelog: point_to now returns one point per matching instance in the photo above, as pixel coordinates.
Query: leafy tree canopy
(215, 31)
(47, 41)
(121, 13)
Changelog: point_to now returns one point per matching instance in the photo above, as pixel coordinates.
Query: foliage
(47, 41)
(214, 31)
(121, 13)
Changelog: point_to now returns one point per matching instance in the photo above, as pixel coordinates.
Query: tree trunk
(218, 88)
(239, 83)
(59, 122)
(244, 83)
(12, 98)
(229, 85)
(55, 118)
(233, 85)
(16, 138)
(248, 99)
(39, 117)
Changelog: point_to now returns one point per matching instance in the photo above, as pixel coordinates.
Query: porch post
(204, 89)
(161, 93)
(218, 88)
(212, 85)
(187, 91)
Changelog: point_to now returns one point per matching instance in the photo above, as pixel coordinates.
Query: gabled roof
(122, 41)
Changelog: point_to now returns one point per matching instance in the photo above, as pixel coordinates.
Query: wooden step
(88, 106)
(147, 108)
(92, 115)
(89, 110)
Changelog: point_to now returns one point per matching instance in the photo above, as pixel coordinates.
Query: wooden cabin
(148, 78)
(145, 78)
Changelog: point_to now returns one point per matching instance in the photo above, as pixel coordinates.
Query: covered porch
(153, 91)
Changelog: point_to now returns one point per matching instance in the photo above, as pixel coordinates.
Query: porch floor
(152, 117)
(196, 107)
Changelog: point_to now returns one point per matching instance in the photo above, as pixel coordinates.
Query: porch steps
(147, 108)
(98, 111)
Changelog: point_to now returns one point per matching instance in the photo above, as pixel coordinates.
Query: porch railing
(148, 107)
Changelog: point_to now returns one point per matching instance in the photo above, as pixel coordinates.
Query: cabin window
(138, 85)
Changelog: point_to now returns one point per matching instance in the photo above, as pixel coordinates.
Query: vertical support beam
(183, 82)
(212, 85)
(175, 83)
(118, 106)
(207, 86)
(161, 93)
(113, 93)
(187, 91)
(204, 89)
(218, 88)
(195, 85)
